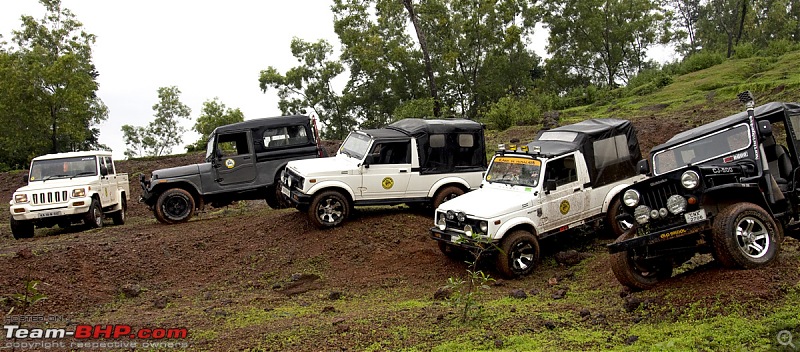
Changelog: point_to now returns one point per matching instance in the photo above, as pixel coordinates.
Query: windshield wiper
(87, 173)
(54, 176)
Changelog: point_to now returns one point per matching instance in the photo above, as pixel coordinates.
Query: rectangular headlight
(21, 198)
(78, 193)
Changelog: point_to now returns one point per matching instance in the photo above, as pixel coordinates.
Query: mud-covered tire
(21, 229)
(745, 236)
(94, 217)
(616, 227)
(519, 254)
(119, 216)
(329, 209)
(174, 206)
(446, 194)
(276, 199)
(634, 275)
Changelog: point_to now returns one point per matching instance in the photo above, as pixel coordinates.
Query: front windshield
(516, 171)
(43, 170)
(210, 148)
(355, 146)
(703, 149)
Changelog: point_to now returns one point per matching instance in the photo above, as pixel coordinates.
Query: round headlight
(690, 179)
(630, 198)
(441, 223)
(484, 226)
(642, 214)
(460, 216)
(450, 215)
(468, 230)
(676, 204)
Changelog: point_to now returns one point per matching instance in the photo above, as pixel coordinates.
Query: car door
(563, 205)
(105, 182)
(386, 174)
(235, 163)
(112, 182)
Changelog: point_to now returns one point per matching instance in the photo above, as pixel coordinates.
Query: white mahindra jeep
(67, 188)
(412, 161)
(568, 177)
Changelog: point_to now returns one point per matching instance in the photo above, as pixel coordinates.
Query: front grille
(459, 225)
(49, 197)
(656, 197)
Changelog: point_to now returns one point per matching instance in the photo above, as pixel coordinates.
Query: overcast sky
(206, 48)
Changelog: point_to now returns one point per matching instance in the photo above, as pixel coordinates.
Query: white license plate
(455, 238)
(285, 191)
(48, 214)
(695, 216)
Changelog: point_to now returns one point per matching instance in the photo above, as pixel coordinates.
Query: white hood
(59, 183)
(488, 203)
(324, 166)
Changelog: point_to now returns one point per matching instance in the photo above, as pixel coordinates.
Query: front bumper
(297, 198)
(460, 240)
(27, 211)
(676, 232)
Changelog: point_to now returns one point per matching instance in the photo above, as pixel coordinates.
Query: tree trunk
(426, 56)
(741, 21)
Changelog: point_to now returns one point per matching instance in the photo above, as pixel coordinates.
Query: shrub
(744, 51)
(779, 47)
(510, 110)
(701, 61)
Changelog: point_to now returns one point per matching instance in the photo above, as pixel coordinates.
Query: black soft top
(773, 111)
(266, 122)
(386, 134)
(416, 127)
(586, 134)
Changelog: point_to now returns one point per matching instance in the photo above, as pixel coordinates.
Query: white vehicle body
(412, 161)
(62, 189)
(568, 177)
(504, 207)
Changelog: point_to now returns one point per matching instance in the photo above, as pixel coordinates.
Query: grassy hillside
(691, 99)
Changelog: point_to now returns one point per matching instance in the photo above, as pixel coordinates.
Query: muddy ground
(249, 277)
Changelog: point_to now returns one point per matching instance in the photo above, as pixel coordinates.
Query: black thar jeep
(243, 162)
(725, 188)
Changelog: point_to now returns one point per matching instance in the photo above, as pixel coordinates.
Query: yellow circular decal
(564, 207)
(230, 163)
(387, 183)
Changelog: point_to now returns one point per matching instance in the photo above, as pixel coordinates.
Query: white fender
(444, 181)
(328, 184)
(501, 232)
(611, 194)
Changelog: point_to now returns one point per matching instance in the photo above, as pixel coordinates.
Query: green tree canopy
(164, 132)
(213, 114)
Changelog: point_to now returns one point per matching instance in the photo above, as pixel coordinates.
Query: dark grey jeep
(243, 162)
(730, 188)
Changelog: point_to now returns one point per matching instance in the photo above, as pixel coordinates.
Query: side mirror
(103, 170)
(369, 159)
(549, 185)
(25, 178)
(643, 167)
(218, 153)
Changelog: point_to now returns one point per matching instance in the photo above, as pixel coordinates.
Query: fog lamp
(642, 214)
(676, 204)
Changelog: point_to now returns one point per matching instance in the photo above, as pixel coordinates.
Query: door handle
(576, 190)
(403, 170)
(245, 158)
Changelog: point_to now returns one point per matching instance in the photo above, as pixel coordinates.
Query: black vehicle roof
(772, 112)
(264, 122)
(416, 126)
(592, 128)
(385, 133)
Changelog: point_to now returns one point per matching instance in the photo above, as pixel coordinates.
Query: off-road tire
(519, 254)
(615, 229)
(329, 209)
(745, 236)
(445, 194)
(94, 217)
(633, 275)
(275, 199)
(174, 206)
(21, 229)
(119, 216)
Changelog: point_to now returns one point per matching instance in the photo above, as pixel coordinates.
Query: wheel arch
(723, 198)
(613, 193)
(446, 182)
(516, 224)
(333, 185)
